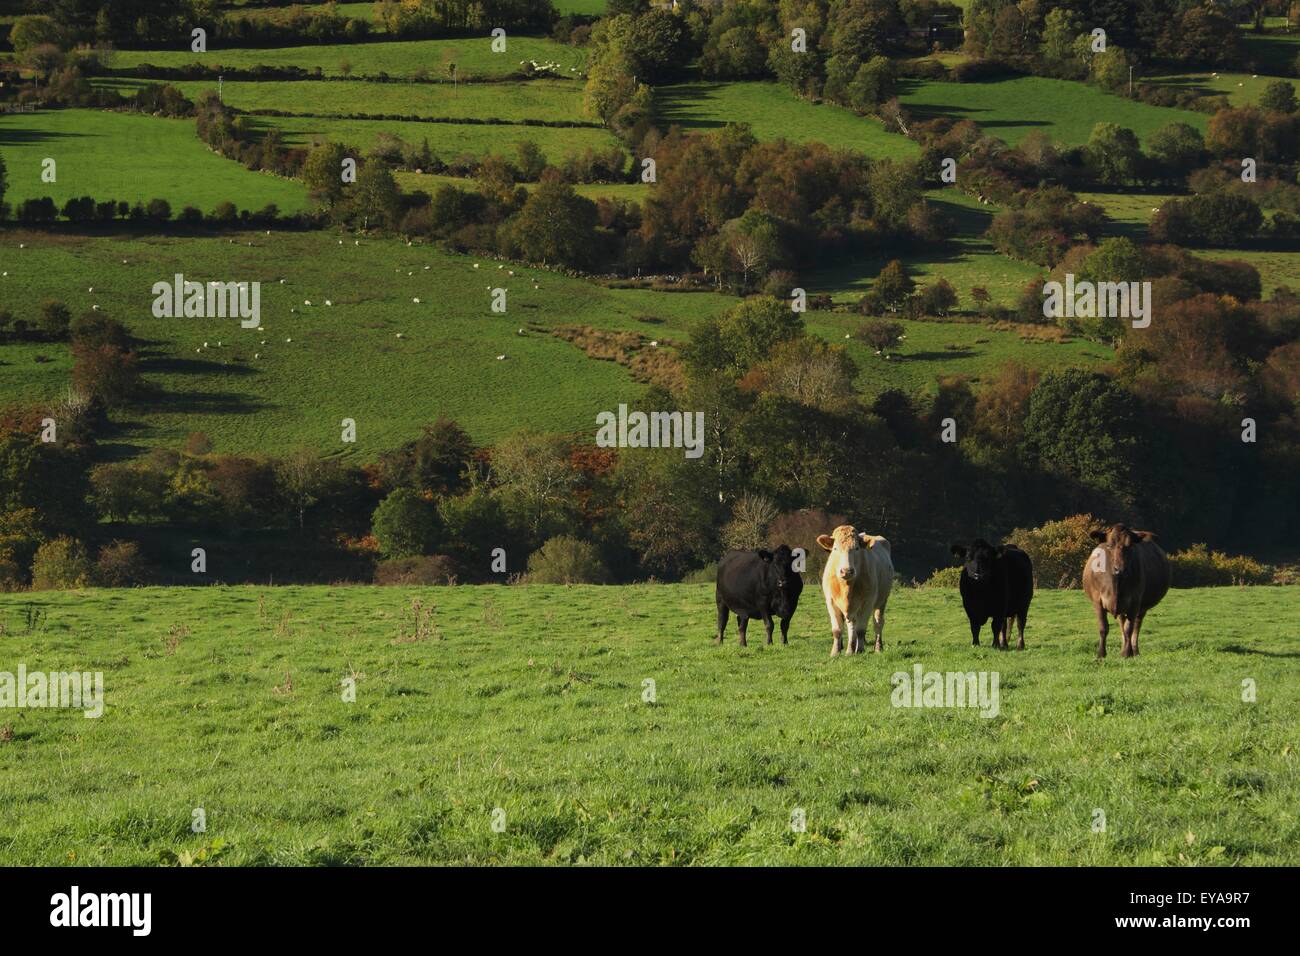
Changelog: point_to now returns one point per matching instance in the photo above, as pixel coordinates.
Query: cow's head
(1114, 547)
(977, 558)
(781, 560)
(844, 543)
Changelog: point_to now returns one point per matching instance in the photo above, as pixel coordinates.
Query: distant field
(345, 360)
(970, 260)
(352, 11)
(774, 112)
(473, 57)
(530, 703)
(125, 156)
(1242, 89)
(536, 99)
(590, 8)
(258, 392)
(1273, 52)
(446, 140)
(1064, 110)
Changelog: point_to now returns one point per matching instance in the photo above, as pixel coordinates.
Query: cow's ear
(1146, 535)
(866, 539)
(764, 554)
(826, 541)
(959, 550)
(1098, 535)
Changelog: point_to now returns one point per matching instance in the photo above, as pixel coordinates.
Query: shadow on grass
(1239, 649)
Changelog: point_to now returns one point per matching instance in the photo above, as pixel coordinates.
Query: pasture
(472, 57)
(1241, 89)
(531, 702)
(774, 112)
(1010, 109)
(125, 156)
(257, 392)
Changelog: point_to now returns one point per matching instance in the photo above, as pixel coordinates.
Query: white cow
(855, 582)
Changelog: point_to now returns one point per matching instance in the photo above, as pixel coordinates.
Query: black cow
(996, 583)
(758, 584)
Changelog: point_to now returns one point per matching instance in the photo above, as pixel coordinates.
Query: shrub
(944, 578)
(1059, 549)
(119, 565)
(427, 569)
(95, 329)
(405, 524)
(881, 334)
(567, 560)
(106, 372)
(54, 319)
(938, 298)
(1199, 567)
(60, 564)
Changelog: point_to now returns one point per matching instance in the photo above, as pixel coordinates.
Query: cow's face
(781, 561)
(977, 559)
(1113, 555)
(845, 545)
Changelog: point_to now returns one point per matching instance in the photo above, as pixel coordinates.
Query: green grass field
(535, 99)
(1064, 110)
(257, 391)
(130, 157)
(530, 704)
(776, 113)
(473, 57)
(1242, 89)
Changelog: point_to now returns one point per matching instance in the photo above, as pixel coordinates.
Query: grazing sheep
(306, 301)
(328, 302)
(288, 340)
(501, 358)
(416, 301)
(399, 335)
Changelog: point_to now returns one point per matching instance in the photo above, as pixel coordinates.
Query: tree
(33, 31)
(556, 225)
(1114, 154)
(405, 524)
(54, 319)
(535, 478)
(1178, 147)
(376, 198)
(938, 298)
(893, 285)
(301, 478)
(436, 462)
(106, 372)
(881, 334)
(751, 330)
(322, 173)
(1279, 96)
(4, 182)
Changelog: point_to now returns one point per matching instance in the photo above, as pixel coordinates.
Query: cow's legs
(785, 630)
(880, 629)
(767, 625)
(837, 625)
(850, 635)
(742, 623)
(975, 627)
(1020, 628)
(1137, 627)
(1103, 628)
(1126, 628)
(722, 621)
(999, 625)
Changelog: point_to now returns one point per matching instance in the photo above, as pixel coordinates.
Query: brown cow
(1126, 575)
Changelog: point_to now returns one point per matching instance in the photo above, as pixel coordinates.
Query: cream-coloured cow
(856, 581)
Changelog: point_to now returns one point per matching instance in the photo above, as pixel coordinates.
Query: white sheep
(328, 302)
(416, 301)
(501, 358)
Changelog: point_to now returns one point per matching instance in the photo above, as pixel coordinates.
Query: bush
(106, 372)
(1199, 567)
(427, 569)
(119, 565)
(94, 329)
(60, 564)
(881, 334)
(405, 524)
(1059, 549)
(567, 560)
(944, 578)
(54, 319)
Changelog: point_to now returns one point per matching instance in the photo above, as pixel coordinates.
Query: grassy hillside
(258, 392)
(1011, 108)
(775, 112)
(472, 56)
(1242, 89)
(530, 700)
(132, 157)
